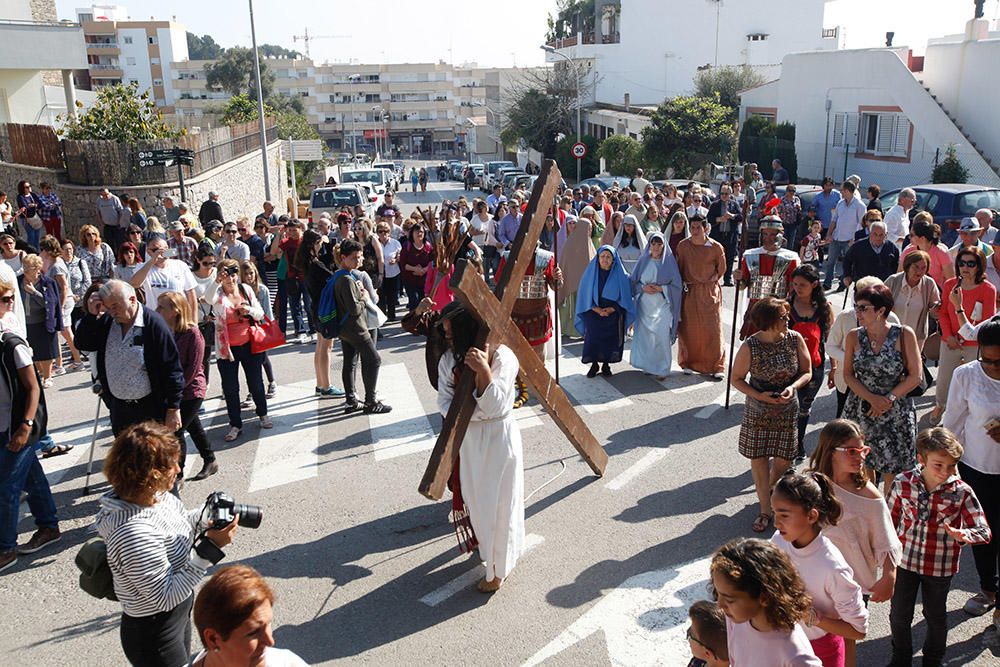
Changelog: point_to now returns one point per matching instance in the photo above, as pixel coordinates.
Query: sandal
(761, 523)
(265, 422)
(233, 434)
(489, 586)
(56, 450)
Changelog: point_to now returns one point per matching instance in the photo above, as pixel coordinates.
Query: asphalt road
(367, 570)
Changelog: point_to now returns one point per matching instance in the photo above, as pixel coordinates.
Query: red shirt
(290, 247)
(984, 295)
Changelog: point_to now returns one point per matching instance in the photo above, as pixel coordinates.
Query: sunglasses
(208, 263)
(135, 233)
(7, 299)
(995, 363)
(968, 263)
(863, 308)
(854, 451)
(690, 635)
(231, 270)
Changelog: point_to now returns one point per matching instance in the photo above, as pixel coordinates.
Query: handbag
(265, 335)
(376, 318)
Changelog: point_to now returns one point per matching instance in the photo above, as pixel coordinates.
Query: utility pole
(579, 105)
(260, 106)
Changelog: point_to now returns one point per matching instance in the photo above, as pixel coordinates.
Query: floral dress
(770, 430)
(892, 436)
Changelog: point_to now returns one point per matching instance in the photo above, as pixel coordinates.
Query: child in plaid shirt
(935, 514)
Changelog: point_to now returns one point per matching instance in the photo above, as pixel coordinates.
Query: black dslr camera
(220, 508)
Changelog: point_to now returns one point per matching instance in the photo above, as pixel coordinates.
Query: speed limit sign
(579, 150)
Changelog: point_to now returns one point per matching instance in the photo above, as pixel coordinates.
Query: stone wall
(239, 182)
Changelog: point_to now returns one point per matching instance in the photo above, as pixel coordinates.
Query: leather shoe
(208, 469)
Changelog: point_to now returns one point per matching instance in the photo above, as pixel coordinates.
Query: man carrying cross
(488, 483)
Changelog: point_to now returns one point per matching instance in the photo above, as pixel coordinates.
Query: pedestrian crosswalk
(405, 430)
(289, 452)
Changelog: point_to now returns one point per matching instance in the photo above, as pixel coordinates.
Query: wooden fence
(104, 162)
(35, 145)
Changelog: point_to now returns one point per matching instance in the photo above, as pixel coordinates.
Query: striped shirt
(150, 552)
(920, 516)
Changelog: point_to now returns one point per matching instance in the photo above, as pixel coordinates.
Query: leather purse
(265, 336)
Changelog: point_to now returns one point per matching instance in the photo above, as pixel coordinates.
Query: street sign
(161, 156)
(579, 150)
(302, 149)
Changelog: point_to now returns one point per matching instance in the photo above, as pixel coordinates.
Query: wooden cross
(493, 314)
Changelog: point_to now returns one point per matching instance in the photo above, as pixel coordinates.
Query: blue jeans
(281, 307)
(21, 471)
(34, 236)
(835, 250)
(253, 366)
(297, 296)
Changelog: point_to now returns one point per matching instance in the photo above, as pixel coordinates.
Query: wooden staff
(555, 304)
(736, 300)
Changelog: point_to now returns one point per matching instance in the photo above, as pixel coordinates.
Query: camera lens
(250, 515)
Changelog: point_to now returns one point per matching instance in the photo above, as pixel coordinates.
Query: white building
(652, 49)
(887, 116)
(33, 45)
(122, 50)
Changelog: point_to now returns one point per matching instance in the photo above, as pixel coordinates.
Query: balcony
(105, 71)
(39, 45)
(587, 38)
(103, 50)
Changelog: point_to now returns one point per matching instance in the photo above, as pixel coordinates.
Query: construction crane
(306, 38)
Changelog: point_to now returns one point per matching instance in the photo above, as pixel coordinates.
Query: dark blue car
(948, 203)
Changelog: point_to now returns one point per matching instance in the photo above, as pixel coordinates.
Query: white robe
(651, 343)
(491, 464)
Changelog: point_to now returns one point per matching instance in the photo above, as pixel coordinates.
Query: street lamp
(260, 107)
(377, 118)
(549, 49)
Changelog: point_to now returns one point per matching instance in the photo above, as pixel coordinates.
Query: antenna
(306, 38)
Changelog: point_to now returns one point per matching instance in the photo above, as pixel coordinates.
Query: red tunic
(533, 316)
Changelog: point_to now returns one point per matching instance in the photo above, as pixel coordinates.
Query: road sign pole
(180, 171)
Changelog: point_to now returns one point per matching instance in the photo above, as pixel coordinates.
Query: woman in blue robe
(604, 310)
(656, 284)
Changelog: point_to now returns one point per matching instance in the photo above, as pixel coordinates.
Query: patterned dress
(892, 437)
(770, 430)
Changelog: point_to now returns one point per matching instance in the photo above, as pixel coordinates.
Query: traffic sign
(579, 150)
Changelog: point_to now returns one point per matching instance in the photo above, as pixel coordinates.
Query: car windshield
(373, 175)
(971, 202)
(335, 198)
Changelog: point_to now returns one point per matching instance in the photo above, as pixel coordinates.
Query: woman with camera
(156, 550)
(236, 308)
(233, 613)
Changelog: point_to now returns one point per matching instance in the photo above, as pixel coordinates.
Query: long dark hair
(413, 230)
(811, 491)
(307, 250)
(811, 273)
(464, 329)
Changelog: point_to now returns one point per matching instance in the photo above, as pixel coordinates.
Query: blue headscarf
(613, 285)
(668, 276)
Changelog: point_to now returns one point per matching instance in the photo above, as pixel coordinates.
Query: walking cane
(555, 315)
(736, 301)
(93, 441)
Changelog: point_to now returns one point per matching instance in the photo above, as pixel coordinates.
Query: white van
(379, 178)
(331, 199)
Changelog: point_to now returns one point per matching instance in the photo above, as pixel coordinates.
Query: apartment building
(122, 50)
(418, 107)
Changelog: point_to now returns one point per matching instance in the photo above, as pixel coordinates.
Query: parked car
(377, 177)
(682, 184)
(534, 179)
(390, 170)
(400, 169)
(331, 199)
(513, 179)
(606, 182)
(489, 175)
(948, 203)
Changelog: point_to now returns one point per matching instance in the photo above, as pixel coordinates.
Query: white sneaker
(58, 370)
(687, 371)
(303, 338)
(718, 376)
(46, 383)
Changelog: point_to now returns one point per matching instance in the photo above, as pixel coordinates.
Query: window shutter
(851, 130)
(902, 139)
(886, 134)
(839, 121)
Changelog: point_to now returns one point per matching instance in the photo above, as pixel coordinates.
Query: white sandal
(233, 434)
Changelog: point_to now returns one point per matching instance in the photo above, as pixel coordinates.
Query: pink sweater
(750, 648)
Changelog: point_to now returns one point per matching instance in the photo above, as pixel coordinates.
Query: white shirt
(696, 210)
(848, 216)
(829, 580)
(237, 250)
(749, 647)
(897, 224)
(124, 362)
(273, 657)
(973, 400)
(13, 321)
(174, 276)
(391, 249)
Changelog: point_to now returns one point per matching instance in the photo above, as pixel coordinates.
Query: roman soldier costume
(766, 273)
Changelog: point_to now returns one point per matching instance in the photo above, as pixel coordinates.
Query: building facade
(886, 115)
(120, 50)
(418, 108)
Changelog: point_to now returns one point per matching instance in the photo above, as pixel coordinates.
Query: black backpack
(8, 343)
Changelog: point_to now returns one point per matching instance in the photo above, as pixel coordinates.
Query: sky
(492, 34)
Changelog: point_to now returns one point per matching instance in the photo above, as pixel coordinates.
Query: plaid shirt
(50, 206)
(920, 516)
(186, 249)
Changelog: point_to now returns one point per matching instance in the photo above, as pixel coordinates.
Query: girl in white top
(864, 533)
(803, 504)
(763, 598)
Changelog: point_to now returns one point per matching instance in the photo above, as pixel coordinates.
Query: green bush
(950, 169)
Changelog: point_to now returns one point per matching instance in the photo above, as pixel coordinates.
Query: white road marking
(405, 430)
(644, 620)
(712, 407)
(528, 416)
(592, 394)
(469, 579)
(287, 453)
(650, 459)
(213, 407)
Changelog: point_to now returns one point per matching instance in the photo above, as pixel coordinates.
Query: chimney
(628, 102)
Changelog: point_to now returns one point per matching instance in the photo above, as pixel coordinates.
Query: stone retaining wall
(239, 182)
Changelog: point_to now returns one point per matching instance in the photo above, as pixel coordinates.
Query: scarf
(612, 285)
(668, 276)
